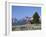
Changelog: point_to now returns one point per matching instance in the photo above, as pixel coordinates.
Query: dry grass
(26, 27)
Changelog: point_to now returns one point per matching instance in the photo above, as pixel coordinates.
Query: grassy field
(26, 27)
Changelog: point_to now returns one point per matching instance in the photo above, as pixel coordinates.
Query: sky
(19, 12)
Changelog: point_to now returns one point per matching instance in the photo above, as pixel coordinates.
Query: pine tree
(36, 18)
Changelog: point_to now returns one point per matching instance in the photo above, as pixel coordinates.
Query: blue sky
(22, 11)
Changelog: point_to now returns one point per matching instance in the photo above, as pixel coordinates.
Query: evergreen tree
(36, 18)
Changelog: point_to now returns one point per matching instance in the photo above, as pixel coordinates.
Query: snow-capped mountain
(22, 21)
